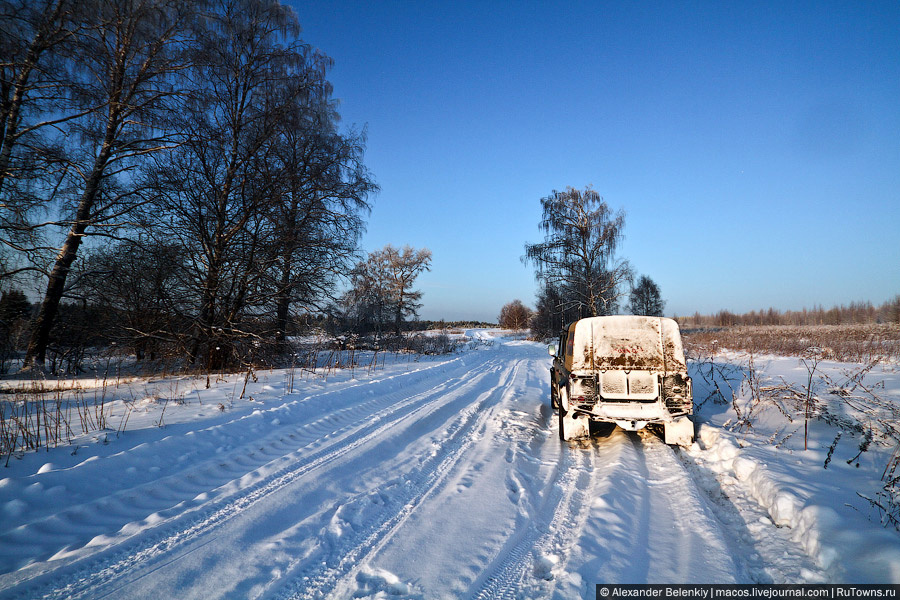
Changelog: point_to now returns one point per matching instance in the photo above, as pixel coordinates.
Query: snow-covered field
(441, 477)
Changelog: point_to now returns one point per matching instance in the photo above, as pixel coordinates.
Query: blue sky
(755, 147)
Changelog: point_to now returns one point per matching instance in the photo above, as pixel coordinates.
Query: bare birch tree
(225, 190)
(578, 255)
(36, 36)
(365, 303)
(514, 315)
(317, 218)
(382, 290)
(131, 50)
(402, 266)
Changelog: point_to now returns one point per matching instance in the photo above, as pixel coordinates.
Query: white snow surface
(439, 477)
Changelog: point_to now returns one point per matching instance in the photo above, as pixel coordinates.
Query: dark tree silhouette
(130, 52)
(645, 298)
(576, 263)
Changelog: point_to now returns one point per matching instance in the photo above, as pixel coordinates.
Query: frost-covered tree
(382, 288)
(364, 305)
(646, 299)
(402, 266)
(514, 315)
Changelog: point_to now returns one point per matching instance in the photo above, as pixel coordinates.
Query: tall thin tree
(37, 42)
(131, 50)
(317, 216)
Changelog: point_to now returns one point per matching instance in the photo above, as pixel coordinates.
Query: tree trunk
(398, 316)
(205, 321)
(282, 304)
(9, 130)
(40, 332)
(282, 307)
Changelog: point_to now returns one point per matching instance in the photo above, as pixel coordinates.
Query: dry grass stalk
(845, 343)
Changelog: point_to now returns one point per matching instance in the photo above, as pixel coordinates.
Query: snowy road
(442, 481)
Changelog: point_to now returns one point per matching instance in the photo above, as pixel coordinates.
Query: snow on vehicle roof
(627, 342)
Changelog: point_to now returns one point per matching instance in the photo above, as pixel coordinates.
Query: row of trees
(576, 265)
(379, 302)
(187, 154)
(856, 313)
(644, 299)
(580, 276)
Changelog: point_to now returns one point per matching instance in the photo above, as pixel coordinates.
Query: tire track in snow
(337, 579)
(554, 547)
(769, 553)
(651, 525)
(101, 568)
(514, 563)
(182, 475)
(177, 492)
(698, 521)
(530, 557)
(625, 502)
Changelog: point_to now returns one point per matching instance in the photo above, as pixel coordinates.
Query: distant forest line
(855, 313)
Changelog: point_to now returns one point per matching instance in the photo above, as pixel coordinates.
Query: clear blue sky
(754, 146)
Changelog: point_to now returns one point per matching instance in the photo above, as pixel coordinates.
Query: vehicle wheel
(554, 392)
(563, 422)
(571, 428)
(679, 432)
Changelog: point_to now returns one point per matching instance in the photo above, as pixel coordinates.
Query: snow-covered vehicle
(627, 370)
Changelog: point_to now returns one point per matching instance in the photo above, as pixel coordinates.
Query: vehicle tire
(562, 414)
(562, 424)
(571, 428)
(679, 432)
(554, 392)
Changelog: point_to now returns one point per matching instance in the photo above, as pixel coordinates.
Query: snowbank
(870, 555)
